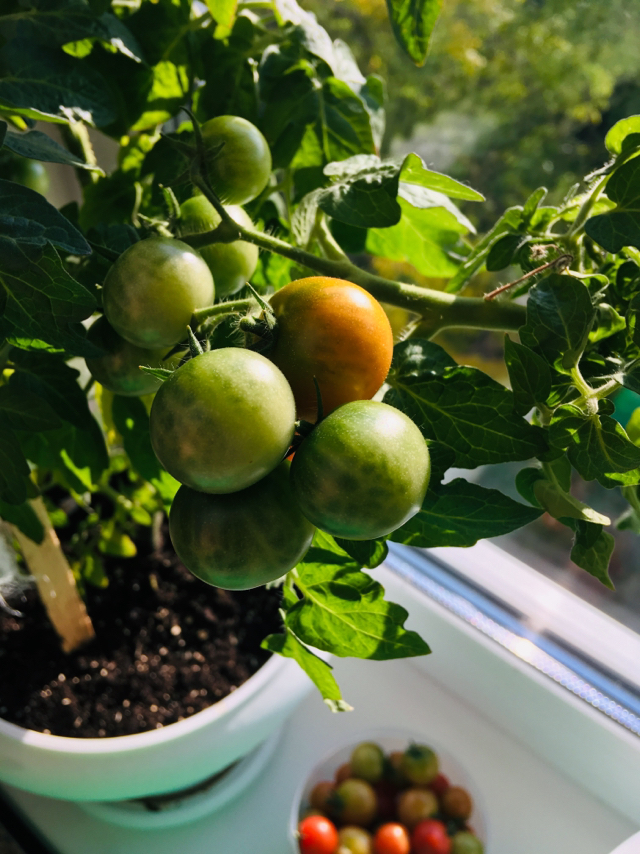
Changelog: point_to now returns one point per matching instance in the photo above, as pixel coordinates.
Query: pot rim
(142, 740)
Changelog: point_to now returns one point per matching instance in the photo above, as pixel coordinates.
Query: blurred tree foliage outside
(514, 94)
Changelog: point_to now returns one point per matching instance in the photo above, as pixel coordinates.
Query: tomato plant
(152, 290)
(231, 264)
(241, 540)
(336, 332)
(223, 420)
(362, 472)
(238, 158)
(317, 835)
(263, 108)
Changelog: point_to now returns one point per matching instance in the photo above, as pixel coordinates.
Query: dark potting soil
(167, 646)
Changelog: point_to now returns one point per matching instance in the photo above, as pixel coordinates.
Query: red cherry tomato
(440, 785)
(317, 835)
(430, 837)
(391, 838)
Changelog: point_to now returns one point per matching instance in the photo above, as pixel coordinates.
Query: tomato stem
(233, 306)
(440, 309)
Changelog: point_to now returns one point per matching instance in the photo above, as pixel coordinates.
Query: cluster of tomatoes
(226, 420)
(398, 803)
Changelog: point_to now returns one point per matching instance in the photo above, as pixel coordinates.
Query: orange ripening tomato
(333, 330)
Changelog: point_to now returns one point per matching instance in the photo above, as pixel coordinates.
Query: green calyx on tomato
(152, 290)
(223, 420)
(232, 264)
(420, 764)
(118, 370)
(334, 331)
(362, 472)
(241, 540)
(238, 159)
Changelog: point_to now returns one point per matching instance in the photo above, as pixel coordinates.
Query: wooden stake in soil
(56, 584)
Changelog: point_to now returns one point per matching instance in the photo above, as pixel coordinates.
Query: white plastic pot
(157, 762)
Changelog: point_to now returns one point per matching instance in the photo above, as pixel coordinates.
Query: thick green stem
(585, 210)
(438, 308)
(236, 306)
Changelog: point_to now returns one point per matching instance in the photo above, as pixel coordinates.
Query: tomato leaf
(414, 172)
(559, 318)
(14, 469)
(592, 549)
(413, 22)
(132, 422)
(529, 374)
(27, 217)
(39, 146)
(621, 226)
(24, 517)
(22, 410)
(369, 553)
(460, 407)
(344, 612)
(460, 513)
(317, 670)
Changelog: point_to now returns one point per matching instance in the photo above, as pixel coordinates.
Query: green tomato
(419, 764)
(152, 290)
(240, 170)
(362, 472)
(464, 842)
(223, 420)
(32, 174)
(241, 540)
(119, 369)
(232, 264)
(367, 762)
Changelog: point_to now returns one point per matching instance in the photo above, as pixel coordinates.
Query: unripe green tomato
(32, 174)
(119, 369)
(232, 264)
(367, 762)
(223, 420)
(362, 472)
(419, 764)
(240, 170)
(241, 540)
(355, 840)
(464, 842)
(355, 802)
(152, 290)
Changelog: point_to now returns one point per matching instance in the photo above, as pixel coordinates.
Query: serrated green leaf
(22, 410)
(465, 410)
(27, 217)
(596, 445)
(367, 553)
(363, 192)
(532, 203)
(14, 469)
(41, 300)
(418, 356)
(526, 479)
(502, 252)
(559, 318)
(345, 122)
(110, 199)
(223, 13)
(132, 422)
(413, 22)
(607, 323)
(624, 136)
(413, 171)
(621, 226)
(529, 375)
(55, 383)
(317, 670)
(39, 146)
(592, 549)
(422, 238)
(460, 513)
(24, 517)
(561, 504)
(344, 612)
(47, 84)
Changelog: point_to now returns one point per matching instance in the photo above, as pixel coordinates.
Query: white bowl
(631, 846)
(390, 739)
